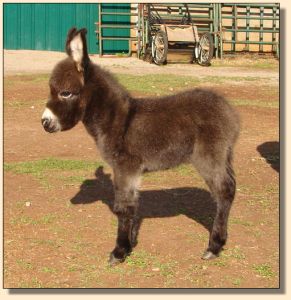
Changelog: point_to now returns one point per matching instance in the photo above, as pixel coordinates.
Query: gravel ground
(27, 61)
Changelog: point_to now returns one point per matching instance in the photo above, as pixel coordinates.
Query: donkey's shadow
(194, 203)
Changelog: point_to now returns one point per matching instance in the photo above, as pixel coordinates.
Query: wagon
(178, 36)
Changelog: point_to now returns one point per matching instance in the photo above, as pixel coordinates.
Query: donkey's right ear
(76, 47)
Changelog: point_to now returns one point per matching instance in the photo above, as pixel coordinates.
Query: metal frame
(203, 15)
(209, 17)
(260, 16)
(100, 26)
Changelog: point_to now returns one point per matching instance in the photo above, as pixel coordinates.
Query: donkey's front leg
(125, 207)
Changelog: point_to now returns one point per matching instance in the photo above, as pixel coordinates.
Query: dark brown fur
(139, 135)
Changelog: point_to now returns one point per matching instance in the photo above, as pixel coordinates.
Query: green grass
(26, 220)
(47, 243)
(21, 103)
(49, 164)
(156, 84)
(250, 63)
(33, 283)
(238, 221)
(138, 259)
(72, 179)
(162, 85)
(237, 282)
(49, 270)
(256, 103)
(264, 270)
(24, 264)
(49, 168)
(184, 170)
(167, 269)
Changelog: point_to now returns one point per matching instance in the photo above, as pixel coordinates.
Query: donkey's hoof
(113, 261)
(208, 255)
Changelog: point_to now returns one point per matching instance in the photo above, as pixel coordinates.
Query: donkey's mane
(106, 82)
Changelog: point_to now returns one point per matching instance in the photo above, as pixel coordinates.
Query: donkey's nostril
(45, 123)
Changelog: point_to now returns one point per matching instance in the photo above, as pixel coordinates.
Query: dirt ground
(28, 62)
(58, 223)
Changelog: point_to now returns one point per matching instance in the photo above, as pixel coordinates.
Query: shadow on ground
(194, 203)
(271, 152)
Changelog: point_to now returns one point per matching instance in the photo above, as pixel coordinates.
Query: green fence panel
(115, 17)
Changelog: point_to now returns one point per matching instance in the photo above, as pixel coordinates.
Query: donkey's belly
(166, 159)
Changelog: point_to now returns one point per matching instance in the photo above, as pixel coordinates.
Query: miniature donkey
(141, 135)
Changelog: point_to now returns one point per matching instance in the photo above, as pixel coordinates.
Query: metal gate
(249, 27)
(236, 27)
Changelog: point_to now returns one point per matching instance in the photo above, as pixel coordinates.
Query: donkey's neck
(107, 105)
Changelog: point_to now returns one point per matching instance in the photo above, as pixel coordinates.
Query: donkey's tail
(229, 169)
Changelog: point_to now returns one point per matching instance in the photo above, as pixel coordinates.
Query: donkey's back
(164, 131)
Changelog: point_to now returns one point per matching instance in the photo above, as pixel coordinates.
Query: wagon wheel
(160, 47)
(205, 50)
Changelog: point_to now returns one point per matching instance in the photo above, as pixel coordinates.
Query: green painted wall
(45, 26)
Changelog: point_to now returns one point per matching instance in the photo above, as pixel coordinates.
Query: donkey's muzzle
(49, 121)
(48, 125)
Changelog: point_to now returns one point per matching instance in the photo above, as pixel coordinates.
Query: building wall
(45, 26)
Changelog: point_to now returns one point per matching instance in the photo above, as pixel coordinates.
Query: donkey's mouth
(50, 129)
(49, 125)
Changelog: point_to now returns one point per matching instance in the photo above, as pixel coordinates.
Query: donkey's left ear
(76, 47)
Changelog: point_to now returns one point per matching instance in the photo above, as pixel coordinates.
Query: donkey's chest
(99, 138)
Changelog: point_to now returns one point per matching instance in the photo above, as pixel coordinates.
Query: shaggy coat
(140, 135)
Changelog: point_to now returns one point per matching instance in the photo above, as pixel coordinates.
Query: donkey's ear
(76, 47)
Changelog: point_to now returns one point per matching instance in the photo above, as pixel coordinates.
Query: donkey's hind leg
(125, 207)
(222, 184)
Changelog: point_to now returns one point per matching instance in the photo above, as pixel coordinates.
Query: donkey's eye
(66, 94)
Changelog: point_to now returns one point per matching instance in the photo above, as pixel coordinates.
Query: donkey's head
(65, 106)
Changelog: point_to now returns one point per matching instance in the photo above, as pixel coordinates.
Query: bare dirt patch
(59, 227)
(40, 62)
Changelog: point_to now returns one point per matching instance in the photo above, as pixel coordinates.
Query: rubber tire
(163, 59)
(206, 62)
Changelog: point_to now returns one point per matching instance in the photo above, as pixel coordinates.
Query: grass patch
(49, 270)
(250, 63)
(264, 270)
(22, 103)
(184, 170)
(155, 84)
(138, 259)
(166, 269)
(73, 179)
(240, 222)
(237, 282)
(34, 283)
(24, 264)
(49, 164)
(236, 253)
(26, 220)
(47, 243)
(256, 103)
(219, 263)
(46, 169)
(23, 220)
